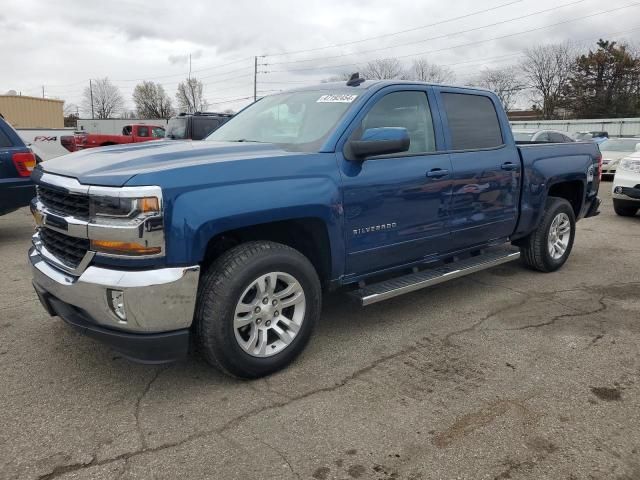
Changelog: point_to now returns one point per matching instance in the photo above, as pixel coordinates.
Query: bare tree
(505, 82)
(547, 69)
(152, 101)
(190, 96)
(424, 71)
(383, 69)
(107, 99)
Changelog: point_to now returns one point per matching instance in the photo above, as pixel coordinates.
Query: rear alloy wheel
(257, 306)
(548, 246)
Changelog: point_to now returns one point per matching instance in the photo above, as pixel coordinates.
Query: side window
(143, 131)
(409, 110)
(4, 140)
(473, 121)
(127, 130)
(202, 127)
(157, 132)
(543, 137)
(556, 137)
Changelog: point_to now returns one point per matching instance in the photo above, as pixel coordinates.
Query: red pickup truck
(130, 134)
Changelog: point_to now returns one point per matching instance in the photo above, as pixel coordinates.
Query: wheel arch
(308, 235)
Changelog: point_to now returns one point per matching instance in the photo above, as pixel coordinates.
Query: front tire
(548, 247)
(257, 307)
(623, 209)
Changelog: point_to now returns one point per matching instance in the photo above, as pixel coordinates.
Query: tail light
(24, 162)
(599, 157)
(68, 142)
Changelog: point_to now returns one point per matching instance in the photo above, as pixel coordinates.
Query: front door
(396, 206)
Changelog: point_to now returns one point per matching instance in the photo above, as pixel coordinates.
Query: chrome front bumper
(159, 300)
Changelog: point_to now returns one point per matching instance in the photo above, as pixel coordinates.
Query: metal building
(32, 112)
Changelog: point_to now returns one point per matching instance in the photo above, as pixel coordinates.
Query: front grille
(69, 250)
(70, 204)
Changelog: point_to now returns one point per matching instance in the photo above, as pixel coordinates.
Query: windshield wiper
(245, 140)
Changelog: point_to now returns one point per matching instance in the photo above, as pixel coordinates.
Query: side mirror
(380, 141)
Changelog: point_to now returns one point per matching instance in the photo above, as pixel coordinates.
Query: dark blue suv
(16, 164)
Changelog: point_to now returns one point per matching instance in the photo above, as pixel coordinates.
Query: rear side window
(143, 131)
(202, 127)
(4, 140)
(473, 121)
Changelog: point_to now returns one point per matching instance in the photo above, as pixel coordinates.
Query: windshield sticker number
(336, 98)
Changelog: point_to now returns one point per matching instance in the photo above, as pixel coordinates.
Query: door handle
(437, 173)
(509, 166)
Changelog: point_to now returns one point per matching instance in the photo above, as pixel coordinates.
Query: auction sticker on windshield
(336, 98)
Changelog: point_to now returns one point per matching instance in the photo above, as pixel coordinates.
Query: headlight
(629, 165)
(120, 207)
(126, 221)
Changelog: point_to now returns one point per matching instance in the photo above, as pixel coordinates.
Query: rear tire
(548, 247)
(266, 277)
(624, 210)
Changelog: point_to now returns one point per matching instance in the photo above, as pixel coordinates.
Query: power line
(448, 20)
(446, 35)
(319, 67)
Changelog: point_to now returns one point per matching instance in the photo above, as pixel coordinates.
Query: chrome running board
(377, 292)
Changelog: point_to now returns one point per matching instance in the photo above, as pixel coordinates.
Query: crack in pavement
(282, 456)
(602, 307)
(141, 435)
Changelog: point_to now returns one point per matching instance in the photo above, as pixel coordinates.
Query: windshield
(523, 136)
(177, 128)
(619, 145)
(297, 121)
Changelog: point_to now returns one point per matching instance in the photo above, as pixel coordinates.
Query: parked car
(16, 164)
(130, 134)
(379, 188)
(626, 186)
(541, 136)
(614, 150)
(594, 136)
(47, 143)
(196, 126)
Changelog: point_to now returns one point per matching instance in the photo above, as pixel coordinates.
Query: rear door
(486, 168)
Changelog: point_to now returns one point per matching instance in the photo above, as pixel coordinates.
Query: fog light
(116, 303)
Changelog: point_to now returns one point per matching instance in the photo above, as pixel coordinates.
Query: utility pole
(42, 91)
(189, 68)
(91, 93)
(255, 78)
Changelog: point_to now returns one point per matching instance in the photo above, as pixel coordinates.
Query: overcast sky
(62, 44)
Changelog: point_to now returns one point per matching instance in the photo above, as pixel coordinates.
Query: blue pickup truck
(16, 164)
(378, 188)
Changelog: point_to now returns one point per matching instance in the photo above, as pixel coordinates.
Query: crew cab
(130, 134)
(377, 188)
(195, 126)
(16, 164)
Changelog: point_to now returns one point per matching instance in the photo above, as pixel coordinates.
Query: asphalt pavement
(505, 374)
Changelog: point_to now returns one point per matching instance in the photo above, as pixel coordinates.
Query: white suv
(626, 186)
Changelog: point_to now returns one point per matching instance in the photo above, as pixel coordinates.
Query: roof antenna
(354, 80)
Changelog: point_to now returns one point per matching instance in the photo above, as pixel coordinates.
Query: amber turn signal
(123, 248)
(148, 204)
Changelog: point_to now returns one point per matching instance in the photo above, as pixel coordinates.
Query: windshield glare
(619, 145)
(297, 121)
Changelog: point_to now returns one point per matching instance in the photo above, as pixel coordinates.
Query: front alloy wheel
(269, 314)
(257, 306)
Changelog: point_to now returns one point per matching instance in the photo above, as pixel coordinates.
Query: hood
(116, 165)
(614, 156)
